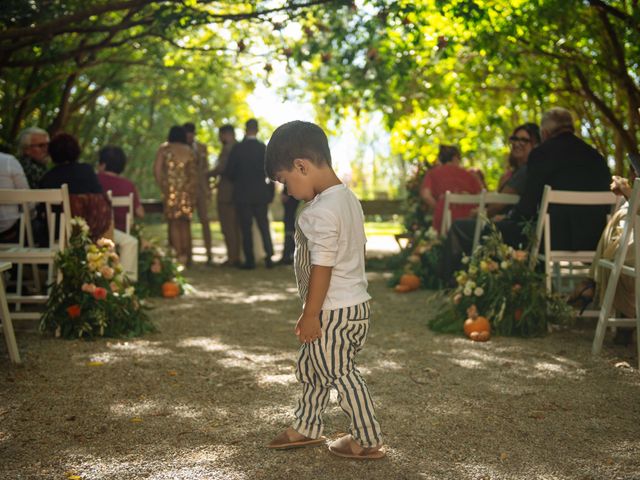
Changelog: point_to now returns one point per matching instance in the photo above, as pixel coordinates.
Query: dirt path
(200, 398)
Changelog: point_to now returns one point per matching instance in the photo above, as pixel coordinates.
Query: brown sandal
(284, 441)
(347, 447)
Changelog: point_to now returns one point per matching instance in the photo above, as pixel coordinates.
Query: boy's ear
(301, 165)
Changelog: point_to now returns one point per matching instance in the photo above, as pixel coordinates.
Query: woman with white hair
(33, 154)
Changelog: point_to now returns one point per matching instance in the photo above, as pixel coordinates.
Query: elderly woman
(175, 173)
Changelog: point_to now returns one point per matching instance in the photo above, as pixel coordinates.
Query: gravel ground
(201, 398)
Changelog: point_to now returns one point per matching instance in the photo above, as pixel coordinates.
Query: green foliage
(94, 297)
(499, 281)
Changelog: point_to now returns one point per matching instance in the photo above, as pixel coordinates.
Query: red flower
(100, 293)
(73, 311)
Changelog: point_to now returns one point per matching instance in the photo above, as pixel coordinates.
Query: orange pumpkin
(410, 280)
(476, 323)
(480, 336)
(170, 289)
(402, 288)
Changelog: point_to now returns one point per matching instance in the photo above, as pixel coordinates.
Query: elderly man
(33, 154)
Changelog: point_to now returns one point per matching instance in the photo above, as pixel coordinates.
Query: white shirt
(333, 225)
(11, 177)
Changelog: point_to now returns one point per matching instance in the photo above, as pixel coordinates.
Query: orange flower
(100, 293)
(74, 311)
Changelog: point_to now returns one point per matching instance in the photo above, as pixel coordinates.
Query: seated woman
(594, 287)
(448, 176)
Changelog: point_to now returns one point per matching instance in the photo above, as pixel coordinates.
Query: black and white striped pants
(329, 362)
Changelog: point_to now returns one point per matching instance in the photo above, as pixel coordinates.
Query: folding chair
(7, 326)
(631, 229)
(123, 201)
(557, 258)
(451, 199)
(489, 198)
(26, 252)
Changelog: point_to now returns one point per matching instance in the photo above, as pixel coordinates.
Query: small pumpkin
(410, 280)
(402, 288)
(170, 289)
(480, 336)
(476, 323)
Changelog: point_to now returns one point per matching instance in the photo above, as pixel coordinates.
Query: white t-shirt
(11, 177)
(332, 228)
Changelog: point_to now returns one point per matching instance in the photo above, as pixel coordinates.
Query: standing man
(290, 204)
(226, 207)
(33, 154)
(252, 192)
(203, 192)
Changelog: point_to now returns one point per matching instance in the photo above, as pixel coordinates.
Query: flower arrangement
(500, 283)
(157, 271)
(94, 296)
(421, 257)
(415, 214)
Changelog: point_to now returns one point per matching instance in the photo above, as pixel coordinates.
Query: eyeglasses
(39, 145)
(517, 139)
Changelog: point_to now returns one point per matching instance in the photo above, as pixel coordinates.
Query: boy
(329, 267)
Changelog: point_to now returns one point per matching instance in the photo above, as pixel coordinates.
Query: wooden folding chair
(26, 252)
(631, 229)
(563, 258)
(489, 198)
(7, 326)
(123, 201)
(451, 199)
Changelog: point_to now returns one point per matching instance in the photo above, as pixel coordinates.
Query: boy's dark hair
(227, 128)
(448, 153)
(113, 159)
(177, 134)
(64, 148)
(189, 127)
(252, 124)
(293, 140)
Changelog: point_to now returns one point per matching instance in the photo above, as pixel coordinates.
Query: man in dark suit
(565, 162)
(252, 192)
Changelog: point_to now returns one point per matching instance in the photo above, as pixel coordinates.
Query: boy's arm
(308, 326)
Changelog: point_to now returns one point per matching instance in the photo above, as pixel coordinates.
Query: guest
(11, 177)
(111, 164)
(227, 214)
(565, 162)
(290, 205)
(175, 172)
(33, 154)
(252, 192)
(448, 176)
(202, 192)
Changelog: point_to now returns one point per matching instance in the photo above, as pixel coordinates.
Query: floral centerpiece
(158, 273)
(421, 258)
(501, 284)
(94, 296)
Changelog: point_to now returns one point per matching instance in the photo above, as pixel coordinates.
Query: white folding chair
(26, 252)
(631, 229)
(123, 201)
(451, 199)
(563, 258)
(7, 326)
(489, 198)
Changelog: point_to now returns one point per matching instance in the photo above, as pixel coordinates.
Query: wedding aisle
(200, 398)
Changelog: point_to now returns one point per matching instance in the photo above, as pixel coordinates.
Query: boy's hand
(308, 328)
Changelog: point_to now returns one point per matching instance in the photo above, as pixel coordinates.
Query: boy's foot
(292, 439)
(347, 447)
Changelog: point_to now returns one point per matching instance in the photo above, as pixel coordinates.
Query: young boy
(329, 267)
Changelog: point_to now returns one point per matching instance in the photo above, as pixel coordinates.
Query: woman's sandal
(583, 295)
(347, 447)
(284, 441)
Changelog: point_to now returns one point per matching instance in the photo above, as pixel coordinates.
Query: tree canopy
(439, 71)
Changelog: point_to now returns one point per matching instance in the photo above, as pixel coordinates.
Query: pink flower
(520, 255)
(107, 272)
(113, 286)
(100, 293)
(88, 287)
(156, 266)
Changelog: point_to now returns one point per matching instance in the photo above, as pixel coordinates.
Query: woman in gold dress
(175, 173)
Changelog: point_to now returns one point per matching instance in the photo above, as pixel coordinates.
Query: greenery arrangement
(94, 297)
(499, 282)
(156, 269)
(421, 257)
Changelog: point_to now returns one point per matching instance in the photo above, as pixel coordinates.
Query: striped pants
(329, 362)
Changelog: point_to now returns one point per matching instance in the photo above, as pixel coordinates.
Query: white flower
(504, 264)
(129, 291)
(465, 260)
(478, 292)
(470, 285)
(473, 269)
(432, 234)
(467, 292)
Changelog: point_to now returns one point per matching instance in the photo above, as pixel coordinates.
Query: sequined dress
(178, 180)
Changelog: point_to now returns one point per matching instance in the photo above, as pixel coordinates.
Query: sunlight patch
(205, 343)
(282, 379)
(467, 363)
(140, 347)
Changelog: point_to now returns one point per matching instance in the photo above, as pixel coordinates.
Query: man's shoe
(285, 261)
(247, 266)
(268, 262)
